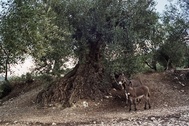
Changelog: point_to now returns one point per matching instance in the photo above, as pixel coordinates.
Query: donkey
(123, 79)
(134, 92)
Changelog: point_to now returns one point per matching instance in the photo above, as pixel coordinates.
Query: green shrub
(5, 89)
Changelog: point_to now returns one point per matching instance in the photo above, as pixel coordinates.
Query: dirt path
(70, 116)
(170, 106)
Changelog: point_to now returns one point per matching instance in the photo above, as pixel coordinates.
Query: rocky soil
(169, 99)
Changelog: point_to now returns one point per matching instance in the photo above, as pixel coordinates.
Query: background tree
(171, 52)
(141, 29)
(28, 28)
(184, 7)
(11, 51)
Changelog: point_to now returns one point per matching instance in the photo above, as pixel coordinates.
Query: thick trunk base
(83, 82)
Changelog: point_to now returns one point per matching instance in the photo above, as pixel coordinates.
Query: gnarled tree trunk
(85, 81)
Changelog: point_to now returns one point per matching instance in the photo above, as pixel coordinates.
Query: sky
(18, 70)
(161, 4)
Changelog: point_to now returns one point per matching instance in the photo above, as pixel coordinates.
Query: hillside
(169, 99)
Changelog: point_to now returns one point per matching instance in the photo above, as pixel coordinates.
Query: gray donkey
(134, 90)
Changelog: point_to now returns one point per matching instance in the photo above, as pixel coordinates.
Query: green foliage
(139, 34)
(28, 76)
(30, 27)
(170, 48)
(16, 79)
(117, 62)
(120, 25)
(94, 23)
(47, 78)
(15, 28)
(125, 34)
(184, 7)
(172, 51)
(23, 79)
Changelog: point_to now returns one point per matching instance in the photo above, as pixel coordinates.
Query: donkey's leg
(145, 105)
(134, 103)
(145, 102)
(126, 98)
(149, 103)
(130, 103)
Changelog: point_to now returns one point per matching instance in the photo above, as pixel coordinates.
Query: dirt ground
(168, 97)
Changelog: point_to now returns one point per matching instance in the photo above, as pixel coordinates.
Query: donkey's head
(125, 83)
(122, 79)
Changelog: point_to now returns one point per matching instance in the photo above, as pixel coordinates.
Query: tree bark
(152, 65)
(6, 69)
(85, 81)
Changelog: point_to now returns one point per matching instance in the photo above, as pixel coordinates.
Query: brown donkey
(134, 92)
(123, 79)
